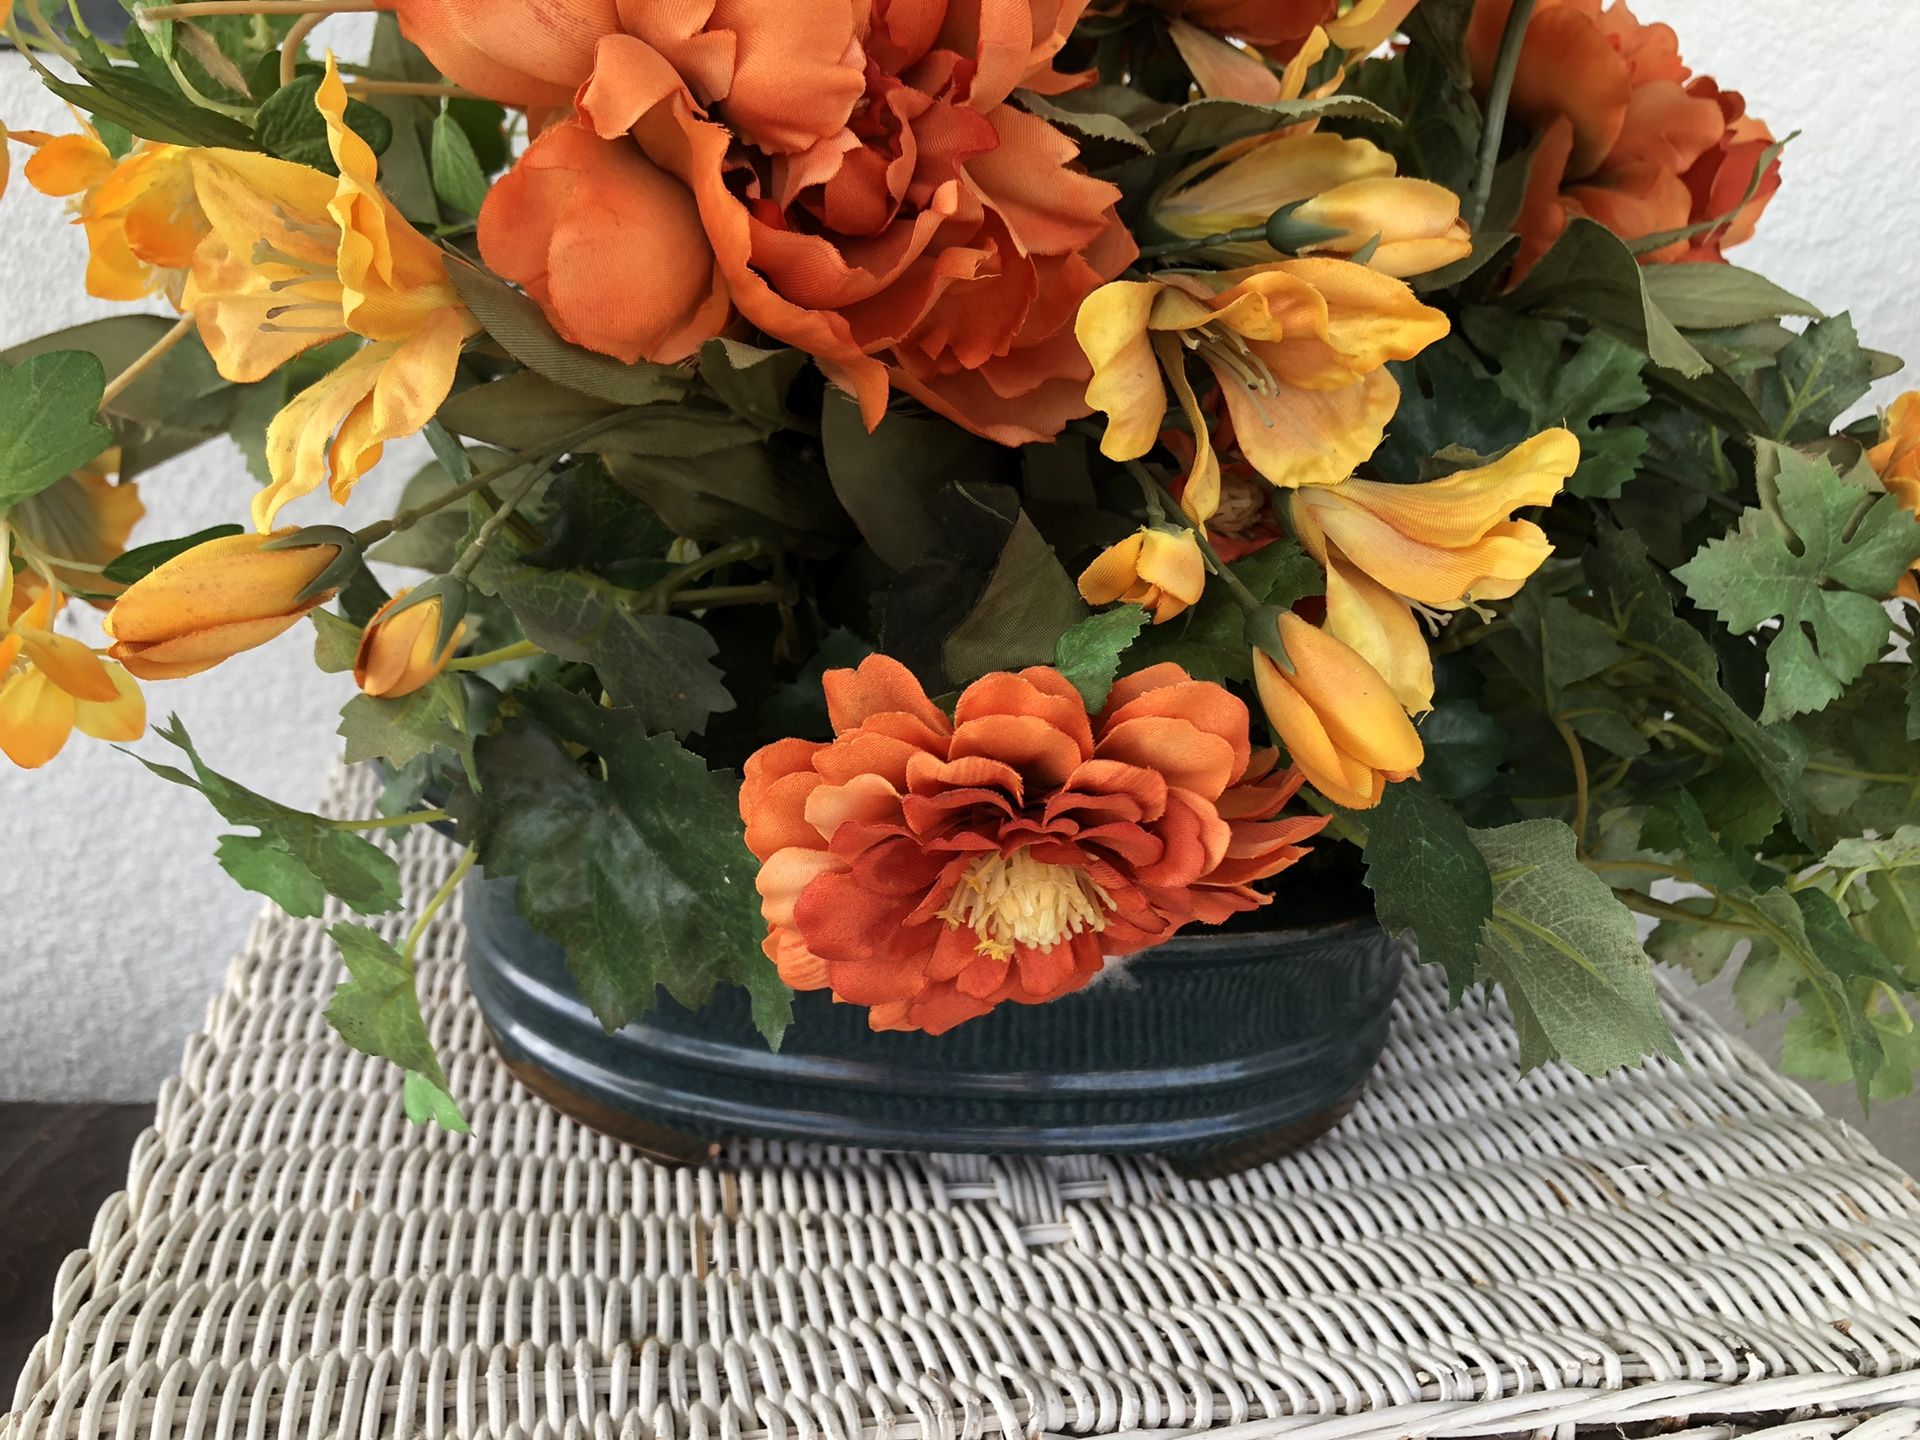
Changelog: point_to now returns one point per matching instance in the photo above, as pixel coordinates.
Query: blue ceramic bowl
(1219, 1047)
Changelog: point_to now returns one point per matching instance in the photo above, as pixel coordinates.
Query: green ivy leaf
(660, 665)
(457, 176)
(48, 428)
(399, 730)
(1816, 376)
(336, 642)
(644, 877)
(1427, 876)
(1824, 583)
(289, 124)
(1568, 954)
(264, 866)
(377, 1011)
(1089, 654)
(355, 871)
(1591, 275)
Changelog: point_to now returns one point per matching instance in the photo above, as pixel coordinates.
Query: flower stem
(495, 522)
(152, 356)
(1580, 783)
(1499, 92)
(656, 598)
(436, 905)
(389, 822)
(519, 650)
(1151, 485)
(212, 9)
(432, 88)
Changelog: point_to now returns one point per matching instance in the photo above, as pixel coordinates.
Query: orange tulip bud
(1340, 721)
(218, 599)
(1160, 569)
(406, 644)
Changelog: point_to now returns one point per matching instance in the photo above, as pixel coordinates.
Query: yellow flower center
(1011, 900)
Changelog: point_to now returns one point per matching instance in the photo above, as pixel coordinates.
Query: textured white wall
(115, 925)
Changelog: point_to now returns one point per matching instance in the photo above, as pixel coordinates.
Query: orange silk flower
(888, 212)
(1896, 460)
(1628, 135)
(933, 868)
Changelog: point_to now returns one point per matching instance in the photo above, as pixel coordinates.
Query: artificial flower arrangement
(932, 498)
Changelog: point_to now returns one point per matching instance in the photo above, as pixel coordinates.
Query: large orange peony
(933, 868)
(871, 198)
(1627, 134)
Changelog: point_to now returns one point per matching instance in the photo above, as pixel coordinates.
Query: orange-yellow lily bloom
(1298, 349)
(139, 212)
(1439, 546)
(1344, 186)
(1160, 569)
(51, 685)
(400, 650)
(213, 601)
(1896, 460)
(1338, 718)
(297, 258)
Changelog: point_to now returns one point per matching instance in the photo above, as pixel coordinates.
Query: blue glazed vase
(1219, 1049)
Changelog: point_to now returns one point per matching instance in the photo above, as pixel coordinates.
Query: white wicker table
(1687, 1251)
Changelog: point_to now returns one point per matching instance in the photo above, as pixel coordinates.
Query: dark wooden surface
(57, 1164)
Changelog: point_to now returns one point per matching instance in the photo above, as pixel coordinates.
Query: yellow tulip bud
(1337, 716)
(402, 647)
(215, 600)
(1160, 569)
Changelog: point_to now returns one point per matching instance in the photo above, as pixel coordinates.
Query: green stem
(1661, 910)
(1499, 92)
(1151, 485)
(1245, 235)
(732, 595)
(390, 822)
(1580, 791)
(436, 905)
(519, 650)
(658, 596)
(495, 522)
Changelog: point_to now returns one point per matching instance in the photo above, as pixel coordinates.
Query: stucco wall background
(115, 924)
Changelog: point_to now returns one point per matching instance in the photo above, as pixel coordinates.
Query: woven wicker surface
(1689, 1251)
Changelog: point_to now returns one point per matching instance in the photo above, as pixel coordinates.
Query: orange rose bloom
(1628, 136)
(916, 231)
(933, 868)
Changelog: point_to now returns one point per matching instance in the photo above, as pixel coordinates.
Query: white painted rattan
(1689, 1251)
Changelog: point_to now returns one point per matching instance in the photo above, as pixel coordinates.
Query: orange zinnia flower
(1628, 136)
(918, 231)
(933, 868)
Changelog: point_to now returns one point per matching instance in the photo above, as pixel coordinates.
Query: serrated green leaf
(1898, 851)
(1824, 583)
(1591, 275)
(377, 1011)
(1700, 949)
(400, 729)
(1463, 748)
(659, 665)
(1428, 877)
(1089, 654)
(1562, 942)
(644, 877)
(1711, 297)
(336, 642)
(1210, 123)
(457, 176)
(264, 866)
(352, 870)
(1816, 376)
(48, 429)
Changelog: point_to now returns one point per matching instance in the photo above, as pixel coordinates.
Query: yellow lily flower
(51, 685)
(1225, 71)
(1298, 349)
(1335, 714)
(1350, 188)
(1437, 546)
(296, 259)
(139, 212)
(1160, 569)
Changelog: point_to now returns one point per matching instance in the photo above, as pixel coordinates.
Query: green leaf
(289, 124)
(1558, 379)
(644, 877)
(1211, 123)
(1898, 851)
(1711, 297)
(659, 665)
(1464, 746)
(262, 865)
(142, 560)
(1700, 949)
(1818, 374)
(1675, 824)
(352, 870)
(336, 642)
(516, 322)
(1210, 640)
(1591, 275)
(1428, 877)
(890, 479)
(1448, 399)
(433, 541)
(377, 1012)
(752, 382)
(47, 425)
(1568, 954)
(401, 729)
(1089, 654)
(457, 176)
(1094, 128)
(595, 525)
(1635, 603)
(128, 98)
(1824, 582)
(1029, 603)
